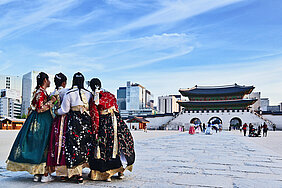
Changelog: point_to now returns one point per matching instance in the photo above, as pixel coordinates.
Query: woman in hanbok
(114, 150)
(56, 151)
(198, 129)
(79, 135)
(192, 129)
(29, 151)
(208, 130)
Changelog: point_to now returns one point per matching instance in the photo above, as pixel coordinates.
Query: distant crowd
(255, 131)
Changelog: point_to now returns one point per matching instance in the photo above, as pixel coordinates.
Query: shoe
(63, 178)
(45, 179)
(120, 175)
(36, 178)
(80, 180)
(108, 180)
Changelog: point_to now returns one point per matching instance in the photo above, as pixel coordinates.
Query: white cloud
(5, 66)
(151, 61)
(170, 12)
(52, 54)
(137, 52)
(3, 2)
(18, 21)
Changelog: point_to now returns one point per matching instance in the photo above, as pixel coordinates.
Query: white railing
(263, 118)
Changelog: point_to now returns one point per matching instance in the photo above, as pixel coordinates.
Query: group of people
(199, 128)
(253, 132)
(71, 129)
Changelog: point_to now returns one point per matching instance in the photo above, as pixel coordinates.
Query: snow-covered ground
(173, 159)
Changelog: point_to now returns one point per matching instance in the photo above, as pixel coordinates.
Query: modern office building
(10, 103)
(11, 82)
(121, 98)
(134, 99)
(264, 103)
(168, 104)
(274, 108)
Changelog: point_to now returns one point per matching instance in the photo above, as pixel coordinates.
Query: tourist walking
(274, 127)
(192, 129)
(208, 130)
(250, 128)
(264, 129)
(56, 151)
(198, 129)
(29, 150)
(79, 136)
(245, 128)
(259, 130)
(114, 149)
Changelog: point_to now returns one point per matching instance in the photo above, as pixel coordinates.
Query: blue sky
(162, 44)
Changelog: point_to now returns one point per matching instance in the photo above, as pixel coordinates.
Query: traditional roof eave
(217, 90)
(137, 120)
(244, 102)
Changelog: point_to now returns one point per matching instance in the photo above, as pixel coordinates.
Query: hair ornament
(78, 76)
(58, 77)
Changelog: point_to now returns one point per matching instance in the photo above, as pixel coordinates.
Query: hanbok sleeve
(65, 106)
(94, 114)
(41, 106)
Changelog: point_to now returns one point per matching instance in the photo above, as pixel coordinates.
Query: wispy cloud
(154, 60)
(20, 20)
(126, 4)
(5, 66)
(3, 2)
(170, 12)
(142, 51)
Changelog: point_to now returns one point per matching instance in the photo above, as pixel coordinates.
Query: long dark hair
(40, 79)
(95, 84)
(78, 80)
(59, 79)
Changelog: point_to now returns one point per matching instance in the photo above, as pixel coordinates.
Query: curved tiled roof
(217, 91)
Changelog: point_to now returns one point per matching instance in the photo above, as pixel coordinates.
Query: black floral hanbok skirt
(79, 138)
(105, 142)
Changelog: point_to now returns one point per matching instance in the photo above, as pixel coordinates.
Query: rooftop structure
(217, 97)
(216, 92)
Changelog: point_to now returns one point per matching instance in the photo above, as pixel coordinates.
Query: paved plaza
(182, 160)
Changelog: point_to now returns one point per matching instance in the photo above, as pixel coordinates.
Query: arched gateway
(236, 123)
(215, 121)
(195, 121)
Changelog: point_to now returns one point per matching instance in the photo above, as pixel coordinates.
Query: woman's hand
(53, 99)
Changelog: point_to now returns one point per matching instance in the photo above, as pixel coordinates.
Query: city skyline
(164, 45)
